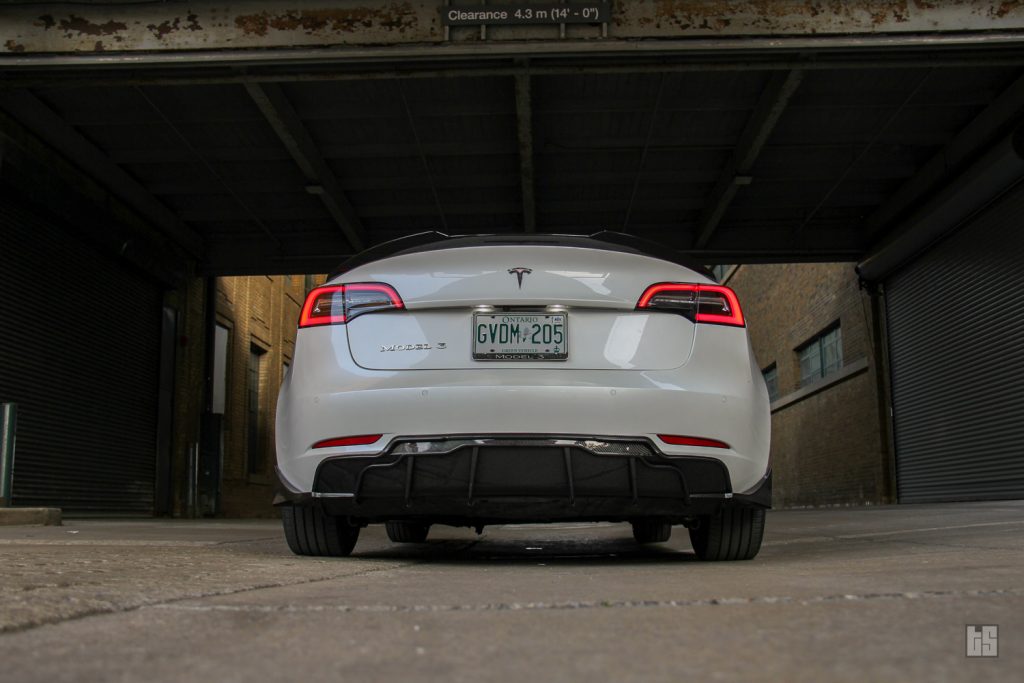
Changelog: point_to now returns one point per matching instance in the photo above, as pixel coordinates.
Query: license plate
(520, 336)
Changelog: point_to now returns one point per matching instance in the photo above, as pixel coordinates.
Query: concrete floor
(875, 594)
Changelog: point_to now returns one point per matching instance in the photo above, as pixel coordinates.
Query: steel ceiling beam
(766, 114)
(195, 153)
(643, 152)
(995, 173)
(524, 136)
(423, 157)
(456, 149)
(285, 121)
(1000, 115)
(834, 46)
(863, 152)
(336, 151)
(42, 121)
(54, 72)
(344, 112)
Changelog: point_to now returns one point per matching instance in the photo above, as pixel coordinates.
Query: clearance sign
(483, 15)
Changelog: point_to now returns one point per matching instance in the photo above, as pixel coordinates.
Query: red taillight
(692, 441)
(701, 303)
(337, 304)
(361, 440)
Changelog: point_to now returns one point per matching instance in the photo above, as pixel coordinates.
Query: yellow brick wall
(259, 311)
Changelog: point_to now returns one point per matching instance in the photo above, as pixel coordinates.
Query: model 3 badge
(519, 273)
(413, 347)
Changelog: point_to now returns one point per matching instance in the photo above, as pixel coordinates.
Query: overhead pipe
(991, 175)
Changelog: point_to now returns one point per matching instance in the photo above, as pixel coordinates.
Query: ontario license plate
(520, 336)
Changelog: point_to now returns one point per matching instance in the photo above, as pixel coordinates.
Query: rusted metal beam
(283, 118)
(190, 29)
(524, 135)
(37, 117)
(736, 172)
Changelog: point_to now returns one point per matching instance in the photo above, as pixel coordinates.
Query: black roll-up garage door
(79, 339)
(956, 338)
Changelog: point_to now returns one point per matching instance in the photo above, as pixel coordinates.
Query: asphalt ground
(869, 594)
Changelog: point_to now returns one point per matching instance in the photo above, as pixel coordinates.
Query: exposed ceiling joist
(54, 131)
(1005, 111)
(423, 158)
(524, 134)
(766, 114)
(197, 153)
(643, 152)
(58, 78)
(283, 118)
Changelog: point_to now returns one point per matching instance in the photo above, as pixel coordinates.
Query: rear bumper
(493, 479)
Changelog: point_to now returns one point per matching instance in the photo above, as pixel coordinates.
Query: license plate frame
(498, 351)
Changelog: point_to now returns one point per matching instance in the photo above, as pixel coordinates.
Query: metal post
(192, 474)
(8, 430)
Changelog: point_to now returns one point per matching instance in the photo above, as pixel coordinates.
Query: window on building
(821, 356)
(771, 378)
(254, 377)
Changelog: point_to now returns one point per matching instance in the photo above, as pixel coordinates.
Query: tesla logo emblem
(519, 273)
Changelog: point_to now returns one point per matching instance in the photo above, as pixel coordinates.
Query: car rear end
(488, 380)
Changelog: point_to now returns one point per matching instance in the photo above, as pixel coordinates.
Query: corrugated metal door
(956, 339)
(79, 354)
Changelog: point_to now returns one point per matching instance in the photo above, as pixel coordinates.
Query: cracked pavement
(865, 594)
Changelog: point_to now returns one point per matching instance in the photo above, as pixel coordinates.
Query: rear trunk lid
(573, 302)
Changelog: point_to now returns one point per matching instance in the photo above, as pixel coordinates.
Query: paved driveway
(846, 594)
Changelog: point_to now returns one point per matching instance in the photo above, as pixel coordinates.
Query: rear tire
(735, 533)
(407, 532)
(651, 531)
(311, 531)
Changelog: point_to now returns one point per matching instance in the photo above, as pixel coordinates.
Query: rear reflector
(692, 441)
(337, 304)
(701, 303)
(361, 440)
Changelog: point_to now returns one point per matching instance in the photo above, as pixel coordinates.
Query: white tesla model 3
(493, 379)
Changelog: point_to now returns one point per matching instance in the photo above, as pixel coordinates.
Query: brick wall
(260, 312)
(827, 445)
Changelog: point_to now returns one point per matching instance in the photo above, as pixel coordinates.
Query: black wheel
(735, 533)
(407, 532)
(651, 531)
(310, 531)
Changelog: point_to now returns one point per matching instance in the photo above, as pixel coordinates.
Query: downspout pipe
(991, 175)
